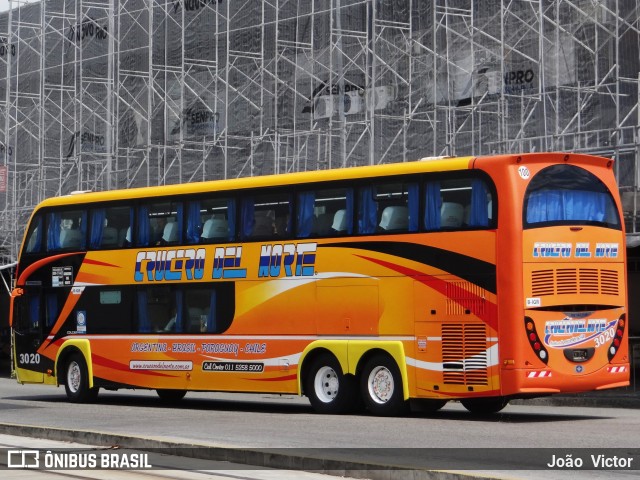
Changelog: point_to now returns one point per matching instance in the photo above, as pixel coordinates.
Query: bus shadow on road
(508, 417)
(289, 405)
(192, 402)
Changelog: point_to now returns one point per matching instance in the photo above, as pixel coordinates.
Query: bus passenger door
(28, 334)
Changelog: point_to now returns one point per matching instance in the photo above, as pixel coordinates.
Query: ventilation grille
(464, 297)
(564, 281)
(464, 354)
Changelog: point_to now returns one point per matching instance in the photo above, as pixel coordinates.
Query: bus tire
(168, 395)
(77, 380)
(381, 387)
(485, 406)
(328, 389)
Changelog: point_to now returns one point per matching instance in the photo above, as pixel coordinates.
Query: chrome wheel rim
(381, 385)
(73, 377)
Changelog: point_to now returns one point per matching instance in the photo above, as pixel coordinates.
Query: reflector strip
(616, 369)
(541, 374)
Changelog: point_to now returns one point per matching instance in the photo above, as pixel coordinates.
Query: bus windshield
(566, 194)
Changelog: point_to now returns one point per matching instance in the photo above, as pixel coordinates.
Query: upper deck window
(566, 194)
(66, 230)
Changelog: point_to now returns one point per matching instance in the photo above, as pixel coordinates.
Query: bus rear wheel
(169, 395)
(77, 380)
(328, 389)
(381, 387)
(485, 406)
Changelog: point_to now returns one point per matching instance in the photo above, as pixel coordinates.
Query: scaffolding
(104, 94)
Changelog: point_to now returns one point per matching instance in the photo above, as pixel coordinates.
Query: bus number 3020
(605, 337)
(29, 358)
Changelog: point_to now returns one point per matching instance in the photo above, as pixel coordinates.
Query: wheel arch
(361, 351)
(352, 355)
(337, 348)
(68, 348)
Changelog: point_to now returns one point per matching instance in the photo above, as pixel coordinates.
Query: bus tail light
(534, 340)
(617, 339)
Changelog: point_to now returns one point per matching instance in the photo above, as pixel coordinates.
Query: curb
(275, 459)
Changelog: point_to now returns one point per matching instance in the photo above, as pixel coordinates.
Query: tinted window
(211, 221)
(324, 212)
(34, 236)
(457, 204)
(66, 230)
(110, 227)
(566, 194)
(266, 216)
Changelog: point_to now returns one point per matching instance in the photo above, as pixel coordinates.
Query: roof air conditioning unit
(323, 107)
(354, 102)
(382, 96)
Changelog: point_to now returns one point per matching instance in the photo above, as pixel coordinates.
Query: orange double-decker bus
(471, 279)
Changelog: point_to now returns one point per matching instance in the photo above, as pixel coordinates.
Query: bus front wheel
(485, 406)
(77, 380)
(381, 387)
(328, 389)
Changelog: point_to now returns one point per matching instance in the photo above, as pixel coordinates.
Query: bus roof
(352, 173)
(424, 165)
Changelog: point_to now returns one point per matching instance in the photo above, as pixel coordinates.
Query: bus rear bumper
(544, 382)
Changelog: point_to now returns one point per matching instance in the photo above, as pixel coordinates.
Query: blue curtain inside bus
(247, 213)
(479, 216)
(414, 206)
(367, 210)
(97, 225)
(144, 227)
(52, 308)
(566, 205)
(144, 326)
(433, 205)
(194, 223)
(305, 216)
(211, 317)
(53, 231)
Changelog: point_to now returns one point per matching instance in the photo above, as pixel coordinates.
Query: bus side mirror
(15, 293)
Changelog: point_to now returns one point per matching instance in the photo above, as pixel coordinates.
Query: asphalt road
(160, 467)
(288, 424)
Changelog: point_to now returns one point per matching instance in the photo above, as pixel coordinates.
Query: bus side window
(201, 310)
(159, 224)
(216, 219)
(479, 211)
(66, 230)
(159, 310)
(322, 213)
(266, 216)
(398, 207)
(457, 204)
(107, 225)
